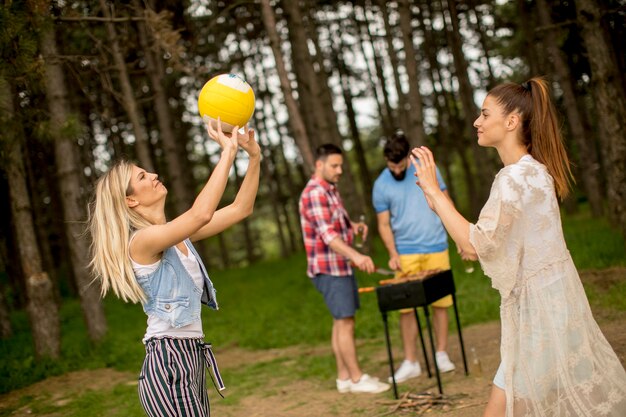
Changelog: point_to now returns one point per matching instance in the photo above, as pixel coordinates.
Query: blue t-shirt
(416, 228)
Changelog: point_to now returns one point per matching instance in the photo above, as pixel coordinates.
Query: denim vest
(171, 293)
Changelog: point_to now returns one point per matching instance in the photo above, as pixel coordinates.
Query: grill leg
(419, 331)
(458, 326)
(391, 367)
(432, 347)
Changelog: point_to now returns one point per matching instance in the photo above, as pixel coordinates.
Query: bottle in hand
(358, 239)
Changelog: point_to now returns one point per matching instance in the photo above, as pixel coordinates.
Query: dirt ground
(465, 395)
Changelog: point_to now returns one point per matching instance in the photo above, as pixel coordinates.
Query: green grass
(272, 304)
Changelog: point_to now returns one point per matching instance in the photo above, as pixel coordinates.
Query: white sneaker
(344, 385)
(443, 362)
(407, 370)
(369, 385)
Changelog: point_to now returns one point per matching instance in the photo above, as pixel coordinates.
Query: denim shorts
(340, 293)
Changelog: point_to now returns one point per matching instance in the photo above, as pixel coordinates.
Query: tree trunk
(68, 173)
(269, 176)
(479, 18)
(279, 199)
(225, 256)
(295, 118)
(484, 170)
(289, 199)
(366, 178)
(441, 102)
(40, 182)
(449, 120)
(395, 64)
(6, 329)
(373, 88)
(611, 107)
(248, 233)
(42, 310)
(318, 128)
(183, 198)
(128, 99)
(416, 132)
(588, 157)
(324, 101)
(380, 75)
(529, 49)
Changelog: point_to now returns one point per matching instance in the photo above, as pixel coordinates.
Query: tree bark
(183, 197)
(484, 170)
(324, 101)
(248, 233)
(272, 181)
(450, 124)
(295, 118)
(40, 180)
(68, 172)
(588, 157)
(223, 247)
(529, 43)
(416, 132)
(6, 329)
(42, 310)
(395, 64)
(289, 198)
(308, 88)
(128, 99)
(366, 178)
(610, 104)
(484, 41)
(380, 75)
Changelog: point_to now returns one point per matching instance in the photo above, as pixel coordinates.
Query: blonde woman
(142, 257)
(555, 361)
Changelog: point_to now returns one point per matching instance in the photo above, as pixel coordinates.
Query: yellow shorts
(412, 264)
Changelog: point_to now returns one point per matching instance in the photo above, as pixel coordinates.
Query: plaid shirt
(324, 218)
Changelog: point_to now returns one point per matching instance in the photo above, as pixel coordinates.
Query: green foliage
(18, 42)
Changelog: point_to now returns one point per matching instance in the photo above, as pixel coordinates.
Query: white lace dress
(556, 360)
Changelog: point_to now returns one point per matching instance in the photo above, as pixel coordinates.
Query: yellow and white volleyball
(228, 97)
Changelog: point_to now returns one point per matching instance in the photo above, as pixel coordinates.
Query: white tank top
(158, 327)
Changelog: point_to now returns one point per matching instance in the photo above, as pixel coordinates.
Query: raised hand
(248, 142)
(425, 171)
(228, 142)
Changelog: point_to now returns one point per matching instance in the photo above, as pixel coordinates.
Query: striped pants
(173, 378)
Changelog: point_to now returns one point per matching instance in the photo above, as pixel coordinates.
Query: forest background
(83, 83)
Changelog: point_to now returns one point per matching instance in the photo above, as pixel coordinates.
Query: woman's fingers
(416, 164)
(424, 155)
(429, 155)
(211, 130)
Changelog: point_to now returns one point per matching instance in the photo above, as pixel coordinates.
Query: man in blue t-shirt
(416, 241)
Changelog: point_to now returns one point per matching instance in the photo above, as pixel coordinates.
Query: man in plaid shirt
(328, 234)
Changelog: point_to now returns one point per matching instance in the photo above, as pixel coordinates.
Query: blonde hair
(540, 127)
(110, 224)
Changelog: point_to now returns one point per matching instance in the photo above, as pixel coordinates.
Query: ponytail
(540, 130)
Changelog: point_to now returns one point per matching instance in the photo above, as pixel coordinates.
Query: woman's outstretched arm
(456, 225)
(243, 204)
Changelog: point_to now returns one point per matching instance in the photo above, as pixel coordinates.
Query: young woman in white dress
(555, 361)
